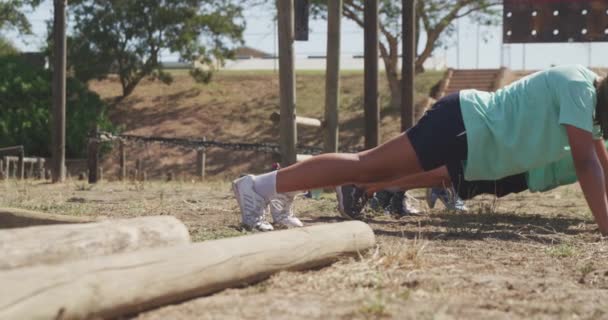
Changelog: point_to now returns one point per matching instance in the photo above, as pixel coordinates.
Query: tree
(434, 17)
(25, 97)
(126, 37)
(6, 47)
(12, 16)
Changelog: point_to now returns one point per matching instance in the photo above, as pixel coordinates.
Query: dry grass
(531, 256)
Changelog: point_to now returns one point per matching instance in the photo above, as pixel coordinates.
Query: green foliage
(12, 16)
(126, 37)
(435, 17)
(6, 47)
(25, 108)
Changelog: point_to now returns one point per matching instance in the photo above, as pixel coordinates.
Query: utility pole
(332, 76)
(408, 69)
(371, 110)
(59, 86)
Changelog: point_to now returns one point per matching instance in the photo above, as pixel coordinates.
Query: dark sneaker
(382, 200)
(351, 201)
(402, 204)
(448, 197)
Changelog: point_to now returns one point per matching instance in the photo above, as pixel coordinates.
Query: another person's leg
(435, 178)
(352, 199)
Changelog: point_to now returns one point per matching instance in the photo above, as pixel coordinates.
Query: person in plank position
(352, 199)
(531, 123)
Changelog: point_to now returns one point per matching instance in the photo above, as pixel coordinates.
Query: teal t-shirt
(553, 175)
(520, 127)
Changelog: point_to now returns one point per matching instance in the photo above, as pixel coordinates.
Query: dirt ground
(525, 256)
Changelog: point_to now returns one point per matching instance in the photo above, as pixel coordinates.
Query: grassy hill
(235, 107)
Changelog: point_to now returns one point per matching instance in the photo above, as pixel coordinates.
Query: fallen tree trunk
(129, 283)
(61, 243)
(19, 218)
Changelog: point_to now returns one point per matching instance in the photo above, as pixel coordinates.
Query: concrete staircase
(480, 79)
(455, 80)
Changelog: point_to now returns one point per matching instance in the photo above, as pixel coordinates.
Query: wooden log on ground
(108, 287)
(303, 157)
(302, 121)
(26, 247)
(19, 218)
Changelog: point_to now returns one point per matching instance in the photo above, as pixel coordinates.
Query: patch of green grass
(563, 250)
(585, 270)
(375, 308)
(202, 234)
(404, 295)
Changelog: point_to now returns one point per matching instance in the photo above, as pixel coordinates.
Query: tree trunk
(60, 243)
(390, 58)
(109, 287)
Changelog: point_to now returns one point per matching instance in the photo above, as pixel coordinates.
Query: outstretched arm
(590, 174)
(602, 154)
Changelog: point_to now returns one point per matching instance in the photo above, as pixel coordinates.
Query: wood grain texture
(62, 243)
(19, 218)
(125, 284)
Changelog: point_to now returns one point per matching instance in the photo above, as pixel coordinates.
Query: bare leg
(434, 178)
(392, 159)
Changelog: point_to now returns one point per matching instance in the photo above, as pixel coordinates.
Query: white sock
(266, 184)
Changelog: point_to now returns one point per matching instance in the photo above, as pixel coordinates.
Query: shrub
(26, 108)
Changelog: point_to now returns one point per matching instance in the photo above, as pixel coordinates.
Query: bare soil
(531, 256)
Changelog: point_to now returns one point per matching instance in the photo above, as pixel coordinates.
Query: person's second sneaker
(252, 205)
(448, 197)
(351, 201)
(431, 197)
(281, 208)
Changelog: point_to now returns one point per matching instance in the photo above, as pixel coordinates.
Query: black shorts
(469, 189)
(440, 137)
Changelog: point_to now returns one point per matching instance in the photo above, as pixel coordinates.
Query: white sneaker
(251, 203)
(281, 208)
(411, 204)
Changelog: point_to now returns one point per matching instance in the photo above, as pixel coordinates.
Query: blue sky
(260, 34)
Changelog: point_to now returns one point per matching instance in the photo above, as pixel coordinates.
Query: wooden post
(200, 163)
(301, 16)
(332, 76)
(287, 88)
(21, 165)
(7, 169)
(59, 86)
(2, 169)
(100, 174)
(123, 162)
(93, 156)
(371, 110)
(30, 172)
(40, 169)
(139, 169)
(408, 65)
(124, 284)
